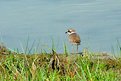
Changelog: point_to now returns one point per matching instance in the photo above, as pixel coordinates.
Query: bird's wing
(74, 38)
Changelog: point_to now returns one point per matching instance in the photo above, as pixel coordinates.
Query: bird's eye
(69, 31)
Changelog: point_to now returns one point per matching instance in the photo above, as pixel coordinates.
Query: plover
(74, 38)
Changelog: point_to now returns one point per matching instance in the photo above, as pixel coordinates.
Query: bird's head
(70, 31)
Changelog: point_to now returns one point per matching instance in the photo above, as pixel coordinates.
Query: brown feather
(74, 38)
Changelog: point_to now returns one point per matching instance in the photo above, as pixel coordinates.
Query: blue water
(98, 22)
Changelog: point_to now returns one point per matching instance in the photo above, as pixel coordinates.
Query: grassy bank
(59, 67)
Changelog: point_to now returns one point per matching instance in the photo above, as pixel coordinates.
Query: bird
(73, 37)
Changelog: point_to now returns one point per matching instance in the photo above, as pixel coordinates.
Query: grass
(58, 67)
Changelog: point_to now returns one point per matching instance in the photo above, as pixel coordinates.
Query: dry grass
(58, 67)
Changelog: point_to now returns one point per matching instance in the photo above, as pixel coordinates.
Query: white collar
(71, 33)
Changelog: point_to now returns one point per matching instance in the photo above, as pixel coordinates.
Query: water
(98, 22)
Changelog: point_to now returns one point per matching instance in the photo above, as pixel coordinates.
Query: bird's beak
(65, 32)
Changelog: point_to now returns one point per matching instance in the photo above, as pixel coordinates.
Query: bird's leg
(77, 49)
(73, 49)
